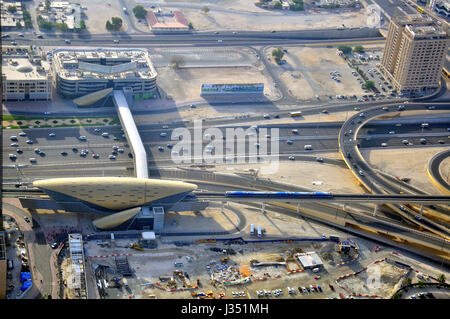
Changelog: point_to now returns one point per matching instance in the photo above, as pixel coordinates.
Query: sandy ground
(332, 178)
(98, 12)
(273, 20)
(444, 169)
(307, 73)
(410, 163)
(185, 83)
(379, 279)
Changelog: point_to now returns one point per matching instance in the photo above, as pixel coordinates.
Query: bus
(259, 232)
(420, 9)
(252, 229)
(297, 113)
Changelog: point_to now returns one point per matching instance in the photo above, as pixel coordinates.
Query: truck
(252, 229)
(334, 237)
(259, 231)
(125, 10)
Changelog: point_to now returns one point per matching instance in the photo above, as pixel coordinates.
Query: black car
(74, 149)
(19, 151)
(64, 153)
(27, 219)
(55, 245)
(130, 155)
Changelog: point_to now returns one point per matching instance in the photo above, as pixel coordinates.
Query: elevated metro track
(287, 197)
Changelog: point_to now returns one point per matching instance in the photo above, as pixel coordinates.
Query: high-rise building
(415, 51)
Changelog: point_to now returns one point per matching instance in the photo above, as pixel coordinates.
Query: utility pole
(375, 210)
(298, 208)
(263, 208)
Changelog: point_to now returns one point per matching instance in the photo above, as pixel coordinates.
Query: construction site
(325, 267)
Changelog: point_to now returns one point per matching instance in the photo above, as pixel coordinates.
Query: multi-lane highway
(244, 38)
(322, 136)
(373, 181)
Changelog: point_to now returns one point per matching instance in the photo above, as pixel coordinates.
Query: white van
(252, 229)
(308, 147)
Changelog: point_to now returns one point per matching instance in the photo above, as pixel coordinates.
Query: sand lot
(333, 178)
(185, 83)
(244, 15)
(410, 163)
(307, 73)
(98, 12)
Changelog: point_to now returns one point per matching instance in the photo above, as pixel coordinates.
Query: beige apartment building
(25, 76)
(414, 54)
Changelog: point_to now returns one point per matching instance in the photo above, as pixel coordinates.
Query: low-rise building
(9, 19)
(172, 21)
(79, 72)
(25, 76)
(309, 260)
(62, 12)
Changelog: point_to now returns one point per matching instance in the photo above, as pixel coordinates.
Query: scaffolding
(78, 266)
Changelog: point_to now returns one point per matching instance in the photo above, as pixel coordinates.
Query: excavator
(135, 246)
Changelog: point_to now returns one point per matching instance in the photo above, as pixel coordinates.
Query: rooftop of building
(166, 20)
(17, 65)
(103, 63)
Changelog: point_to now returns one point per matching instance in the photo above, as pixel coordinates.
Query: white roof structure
(148, 235)
(132, 133)
(309, 260)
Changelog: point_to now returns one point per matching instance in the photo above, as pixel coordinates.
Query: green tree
(117, 23)
(397, 295)
(139, 12)
(62, 26)
(421, 284)
(345, 49)
(278, 54)
(109, 26)
(277, 5)
(12, 9)
(407, 281)
(44, 24)
(47, 5)
(82, 25)
(191, 26)
(205, 10)
(18, 25)
(176, 61)
(297, 6)
(441, 278)
(359, 49)
(369, 85)
(27, 19)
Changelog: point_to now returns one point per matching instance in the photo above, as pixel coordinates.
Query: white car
(163, 134)
(52, 134)
(105, 134)
(112, 157)
(22, 134)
